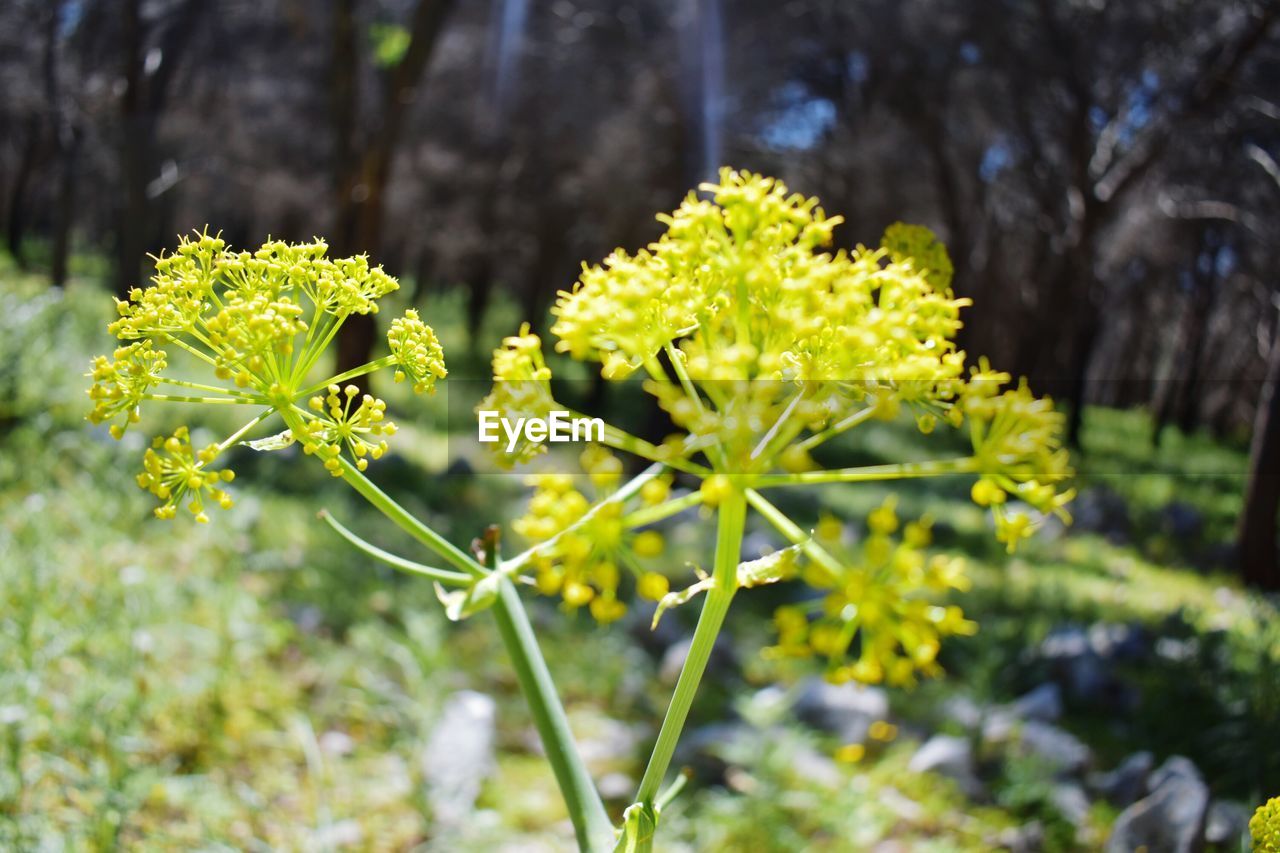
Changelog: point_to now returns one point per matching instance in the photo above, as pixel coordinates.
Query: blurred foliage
(389, 43)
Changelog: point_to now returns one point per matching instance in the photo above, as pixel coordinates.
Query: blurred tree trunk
(1259, 562)
(135, 143)
(480, 283)
(479, 294)
(45, 135)
(1203, 299)
(15, 233)
(147, 75)
(1179, 398)
(67, 137)
(64, 204)
(365, 146)
(1078, 377)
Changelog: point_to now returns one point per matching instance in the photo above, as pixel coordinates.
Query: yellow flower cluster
(1264, 826)
(521, 389)
(1015, 438)
(585, 559)
(249, 329)
(121, 382)
(918, 248)
(737, 283)
(624, 312)
(878, 621)
(760, 346)
(363, 431)
(173, 470)
(260, 322)
(418, 354)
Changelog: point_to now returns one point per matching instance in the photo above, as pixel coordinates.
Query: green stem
(625, 441)
(673, 790)
(731, 522)
(783, 419)
(244, 430)
(175, 398)
(441, 575)
(653, 514)
(452, 554)
(202, 356)
(905, 470)
(789, 529)
(182, 383)
(591, 822)
(677, 364)
(715, 452)
(368, 367)
(835, 429)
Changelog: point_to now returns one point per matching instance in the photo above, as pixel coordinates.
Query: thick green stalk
(731, 522)
(591, 823)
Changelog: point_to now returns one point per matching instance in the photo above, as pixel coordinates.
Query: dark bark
(135, 136)
(141, 105)
(1260, 566)
(545, 277)
(42, 128)
(15, 235)
(66, 138)
(479, 294)
(480, 277)
(64, 207)
(1177, 398)
(1078, 380)
(363, 161)
(1202, 304)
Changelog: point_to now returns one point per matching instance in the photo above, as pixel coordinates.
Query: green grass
(254, 684)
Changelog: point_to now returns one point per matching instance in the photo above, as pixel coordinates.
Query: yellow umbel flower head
(121, 382)
(363, 430)
(259, 323)
(584, 548)
(739, 302)
(521, 389)
(418, 354)
(174, 470)
(917, 247)
(1264, 826)
(761, 345)
(878, 621)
